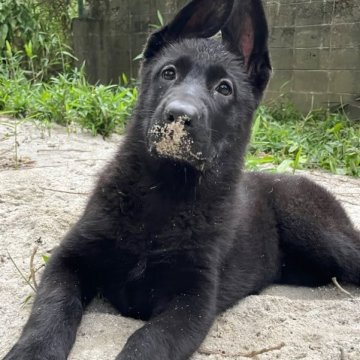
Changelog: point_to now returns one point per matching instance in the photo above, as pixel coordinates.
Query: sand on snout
(173, 139)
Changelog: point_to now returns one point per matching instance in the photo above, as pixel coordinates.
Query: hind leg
(317, 239)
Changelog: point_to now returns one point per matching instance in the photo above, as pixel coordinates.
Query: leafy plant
(160, 21)
(55, 16)
(285, 140)
(65, 99)
(41, 48)
(18, 23)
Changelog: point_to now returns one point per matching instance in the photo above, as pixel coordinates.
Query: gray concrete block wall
(315, 51)
(114, 33)
(314, 45)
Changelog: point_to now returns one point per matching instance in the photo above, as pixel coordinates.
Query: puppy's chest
(156, 229)
(163, 231)
(159, 248)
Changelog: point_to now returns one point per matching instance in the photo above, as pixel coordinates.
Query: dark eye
(224, 88)
(169, 73)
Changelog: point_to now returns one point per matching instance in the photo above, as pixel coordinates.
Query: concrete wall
(315, 45)
(114, 33)
(315, 51)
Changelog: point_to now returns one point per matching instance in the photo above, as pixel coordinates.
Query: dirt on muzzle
(174, 141)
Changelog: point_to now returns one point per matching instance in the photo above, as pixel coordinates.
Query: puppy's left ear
(246, 33)
(198, 19)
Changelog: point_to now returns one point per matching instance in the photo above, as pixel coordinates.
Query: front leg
(179, 330)
(57, 310)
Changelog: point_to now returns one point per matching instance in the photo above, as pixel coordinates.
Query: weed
(40, 44)
(285, 140)
(65, 99)
(31, 278)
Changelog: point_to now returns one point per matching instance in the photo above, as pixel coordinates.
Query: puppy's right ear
(198, 19)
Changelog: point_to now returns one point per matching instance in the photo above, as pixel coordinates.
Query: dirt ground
(41, 199)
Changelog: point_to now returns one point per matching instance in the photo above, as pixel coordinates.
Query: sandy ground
(44, 197)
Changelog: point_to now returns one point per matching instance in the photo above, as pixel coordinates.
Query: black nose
(178, 110)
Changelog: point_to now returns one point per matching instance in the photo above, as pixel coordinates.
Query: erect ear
(246, 32)
(198, 19)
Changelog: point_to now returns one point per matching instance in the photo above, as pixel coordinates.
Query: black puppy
(174, 232)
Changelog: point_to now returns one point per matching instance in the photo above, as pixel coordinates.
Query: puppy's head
(198, 94)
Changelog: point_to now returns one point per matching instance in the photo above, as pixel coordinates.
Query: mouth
(173, 141)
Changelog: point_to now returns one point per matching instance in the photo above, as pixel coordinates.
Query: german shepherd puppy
(174, 232)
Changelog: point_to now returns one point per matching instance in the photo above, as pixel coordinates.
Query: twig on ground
(31, 168)
(64, 191)
(81, 160)
(63, 150)
(342, 354)
(32, 269)
(5, 152)
(349, 202)
(335, 282)
(21, 273)
(252, 354)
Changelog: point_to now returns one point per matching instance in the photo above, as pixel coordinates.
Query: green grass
(65, 99)
(285, 140)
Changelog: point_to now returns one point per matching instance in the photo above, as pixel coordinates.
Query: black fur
(174, 232)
